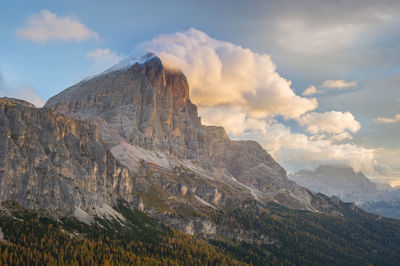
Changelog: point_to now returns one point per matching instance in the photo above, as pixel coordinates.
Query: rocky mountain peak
(144, 113)
(167, 83)
(337, 180)
(145, 105)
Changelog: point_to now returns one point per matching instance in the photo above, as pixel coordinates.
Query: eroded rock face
(247, 161)
(51, 161)
(148, 106)
(144, 114)
(145, 105)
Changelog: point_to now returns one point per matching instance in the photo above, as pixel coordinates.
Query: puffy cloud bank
(47, 26)
(330, 122)
(224, 74)
(311, 151)
(241, 90)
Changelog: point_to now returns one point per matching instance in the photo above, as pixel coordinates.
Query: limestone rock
(144, 114)
(145, 105)
(51, 161)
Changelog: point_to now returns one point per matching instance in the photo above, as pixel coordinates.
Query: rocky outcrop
(246, 161)
(145, 105)
(51, 161)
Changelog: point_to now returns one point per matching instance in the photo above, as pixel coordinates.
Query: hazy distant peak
(337, 180)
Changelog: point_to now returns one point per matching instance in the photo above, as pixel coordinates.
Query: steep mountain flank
(145, 115)
(51, 161)
(144, 105)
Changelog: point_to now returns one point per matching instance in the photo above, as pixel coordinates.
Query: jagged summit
(130, 61)
(144, 105)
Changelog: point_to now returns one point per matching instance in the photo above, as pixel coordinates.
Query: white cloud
(103, 59)
(288, 147)
(387, 120)
(332, 122)
(24, 92)
(311, 91)
(329, 85)
(224, 74)
(338, 84)
(386, 174)
(47, 26)
(234, 120)
(100, 55)
(27, 93)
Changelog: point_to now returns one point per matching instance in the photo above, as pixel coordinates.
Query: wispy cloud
(338, 84)
(25, 92)
(103, 59)
(47, 26)
(312, 90)
(388, 120)
(329, 85)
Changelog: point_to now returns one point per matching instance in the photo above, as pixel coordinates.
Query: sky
(315, 82)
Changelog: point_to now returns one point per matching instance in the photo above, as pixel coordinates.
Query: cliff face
(145, 105)
(246, 161)
(148, 106)
(51, 161)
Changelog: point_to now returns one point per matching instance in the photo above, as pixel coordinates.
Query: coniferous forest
(299, 238)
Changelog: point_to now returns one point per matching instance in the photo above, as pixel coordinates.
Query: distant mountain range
(350, 186)
(121, 162)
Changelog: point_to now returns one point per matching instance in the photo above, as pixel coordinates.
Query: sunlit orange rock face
(145, 105)
(51, 161)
